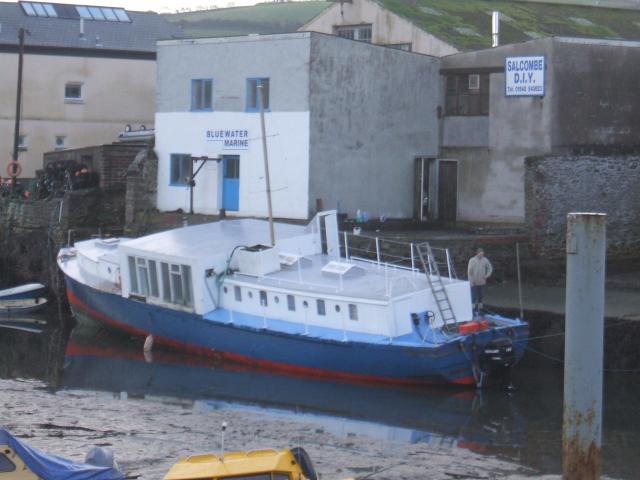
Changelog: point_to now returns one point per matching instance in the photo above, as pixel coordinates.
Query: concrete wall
(229, 62)
(465, 131)
(597, 93)
(387, 27)
(558, 184)
(115, 91)
(373, 111)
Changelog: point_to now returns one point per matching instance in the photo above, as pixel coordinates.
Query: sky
(163, 6)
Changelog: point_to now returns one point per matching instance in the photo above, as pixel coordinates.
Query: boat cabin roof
(233, 465)
(194, 242)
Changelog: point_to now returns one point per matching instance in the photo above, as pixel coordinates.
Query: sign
(524, 76)
(230, 139)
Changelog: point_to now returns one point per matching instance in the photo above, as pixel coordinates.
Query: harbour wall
(590, 181)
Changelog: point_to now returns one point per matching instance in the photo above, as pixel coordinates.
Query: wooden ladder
(437, 287)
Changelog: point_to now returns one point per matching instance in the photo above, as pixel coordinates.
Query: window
(143, 276)
(253, 93)
(153, 276)
(181, 166)
(84, 12)
(291, 303)
(36, 9)
(173, 282)
(166, 282)
(467, 94)
(96, 13)
(405, 47)
(109, 14)
(133, 277)
(237, 293)
(263, 298)
(6, 465)
(250, 294)
(321, 307)
(60, 142)
(337, 308)
(122, 15)
(73, 92)
(22, 143)
(305, 304)
(276, 299)
(202, 95)
(362, 33)
(353, 312)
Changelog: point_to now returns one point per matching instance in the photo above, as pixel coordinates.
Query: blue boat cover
(52, 467)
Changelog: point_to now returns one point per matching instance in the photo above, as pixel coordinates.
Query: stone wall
(142, 188)
(606, 182)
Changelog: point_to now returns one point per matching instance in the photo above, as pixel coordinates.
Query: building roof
(265, 18)
(466, 24)
(63, 30)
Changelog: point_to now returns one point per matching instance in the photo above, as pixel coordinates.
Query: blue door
(231, 182)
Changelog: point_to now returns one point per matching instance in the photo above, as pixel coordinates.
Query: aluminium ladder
(434, 278)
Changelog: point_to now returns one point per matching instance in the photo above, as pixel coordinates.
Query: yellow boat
(287, 464)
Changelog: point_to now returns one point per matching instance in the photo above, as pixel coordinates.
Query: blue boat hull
(291, 353)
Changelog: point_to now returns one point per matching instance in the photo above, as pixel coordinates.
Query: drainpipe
(495, 29)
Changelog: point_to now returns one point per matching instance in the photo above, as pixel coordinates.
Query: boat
(21, 306)
(305, 305)
(29, 290)
(19, 461)
(266, 464)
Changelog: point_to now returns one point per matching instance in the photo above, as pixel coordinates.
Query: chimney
(81, 34)
(495, 29)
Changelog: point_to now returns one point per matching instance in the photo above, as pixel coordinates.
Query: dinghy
(29, 290)
(22, 306)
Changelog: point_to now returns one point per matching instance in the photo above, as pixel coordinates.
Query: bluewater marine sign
(230, 139)
(524, 76)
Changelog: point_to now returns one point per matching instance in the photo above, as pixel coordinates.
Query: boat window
(305, 304)
(143, 276)
(263, 298)
(291, 303)
(321, 308)
(166, 282)
(133, 277)
(338, 308)
(238, 293)
(153, 276)
(276, 299)
(6, 465)
(177, 295)
(250, 294)
(225, 289)
(186, 279)
(353, 312)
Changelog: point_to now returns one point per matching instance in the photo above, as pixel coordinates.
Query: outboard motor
(497, 358)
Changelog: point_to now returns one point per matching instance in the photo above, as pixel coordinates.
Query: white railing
(374, 254)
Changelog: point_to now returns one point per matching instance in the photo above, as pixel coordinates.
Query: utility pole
(266, 163)
(584, 349)
(16, 132)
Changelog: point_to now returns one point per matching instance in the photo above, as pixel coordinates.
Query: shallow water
(523, 427)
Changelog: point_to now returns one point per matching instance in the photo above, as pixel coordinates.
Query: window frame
(183, 159)
(22, 142)
(237, 293)
(321, 307)
(355, 32)
(291, 303)
(78, 99)
(62, 146)
(353, 312)
(462, 101)
(202, 82)
(256, 106)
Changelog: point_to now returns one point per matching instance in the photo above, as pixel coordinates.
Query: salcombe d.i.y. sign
(524, 76)
(231, 139)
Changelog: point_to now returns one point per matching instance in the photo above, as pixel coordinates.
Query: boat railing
(394, 254)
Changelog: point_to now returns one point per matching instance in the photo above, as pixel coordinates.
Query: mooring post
(584, 332)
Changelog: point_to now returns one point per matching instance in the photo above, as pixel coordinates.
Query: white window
(237, 291)
(291, 303)
(263, 298)
(321, 308)
(73, 92)
(170, 282)
(362, 33)
(60, 142)
(353, 312)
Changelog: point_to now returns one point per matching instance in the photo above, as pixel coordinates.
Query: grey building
(589, 101)
(345, 122)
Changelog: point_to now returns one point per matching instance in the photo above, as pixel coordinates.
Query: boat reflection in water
(453, 418)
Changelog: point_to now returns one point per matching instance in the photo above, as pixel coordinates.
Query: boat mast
(16, 132)
(266, 163)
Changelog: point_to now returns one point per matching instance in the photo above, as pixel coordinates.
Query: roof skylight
(56, 10)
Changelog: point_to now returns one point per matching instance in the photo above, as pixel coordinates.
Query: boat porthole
(250, 294)
(225, 289)
(305, 304)
(338, 308)
(276, 299)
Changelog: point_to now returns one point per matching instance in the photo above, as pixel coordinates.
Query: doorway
(447, 190)
(231, 182)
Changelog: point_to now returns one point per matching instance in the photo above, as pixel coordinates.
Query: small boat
(294, 464)
(304, 306)
(29, 290)
(21, 306)
(19, 461)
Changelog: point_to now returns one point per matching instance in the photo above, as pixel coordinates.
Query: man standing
(478, 271)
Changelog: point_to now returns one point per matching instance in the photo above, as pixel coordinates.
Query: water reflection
(524, 427)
